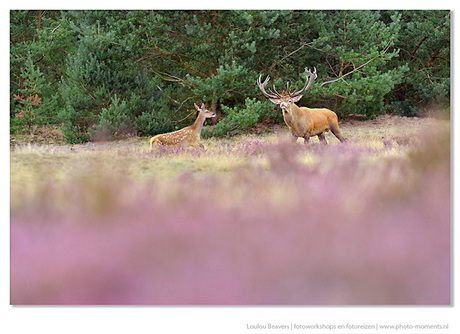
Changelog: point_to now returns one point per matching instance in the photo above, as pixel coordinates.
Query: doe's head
(207, 113)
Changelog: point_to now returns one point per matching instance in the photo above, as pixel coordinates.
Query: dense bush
(114, 122)
(150, 124)
(240, 118)
(161, 62)
(75, 126)
(27, 107)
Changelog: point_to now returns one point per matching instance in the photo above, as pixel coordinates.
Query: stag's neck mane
(293, 116)
(295, 111)
(290, 115)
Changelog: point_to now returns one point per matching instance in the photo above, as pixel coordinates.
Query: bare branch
(289, 54)
(181, 104)
(52, 31)
(172, 78)
(183, 119)
(359, 67)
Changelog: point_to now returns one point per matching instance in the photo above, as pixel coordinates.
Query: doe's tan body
(186, 137)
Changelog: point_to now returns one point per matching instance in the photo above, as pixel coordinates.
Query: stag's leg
(336, 131)
(322, 138)
(306, 139)
(294, 137)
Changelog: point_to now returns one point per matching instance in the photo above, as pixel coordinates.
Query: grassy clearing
(392, 136)
(252, 219)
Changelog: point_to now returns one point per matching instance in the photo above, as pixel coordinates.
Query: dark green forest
(112, 74)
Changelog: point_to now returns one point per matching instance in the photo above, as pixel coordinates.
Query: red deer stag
(302, 121)
(188, 136)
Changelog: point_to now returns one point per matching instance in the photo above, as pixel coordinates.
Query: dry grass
(389, 134)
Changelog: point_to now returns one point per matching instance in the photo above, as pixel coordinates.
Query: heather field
(252, 219)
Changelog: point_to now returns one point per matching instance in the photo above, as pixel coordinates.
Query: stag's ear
(297, 98)
(275, 101)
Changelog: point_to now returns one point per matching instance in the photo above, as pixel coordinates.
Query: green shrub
(113, 122)
(75, 125)
(149, 124)
(27, 108)
(239, 119)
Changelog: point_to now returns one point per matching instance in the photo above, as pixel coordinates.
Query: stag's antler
(274, 94)
(271, 94)
(310, 79)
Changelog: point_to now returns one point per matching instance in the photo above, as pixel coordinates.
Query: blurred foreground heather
(343, 224)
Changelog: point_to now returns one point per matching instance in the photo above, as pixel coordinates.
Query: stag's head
(286, 98)
(205, 112)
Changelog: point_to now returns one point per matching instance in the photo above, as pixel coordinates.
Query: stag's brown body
(302, 121)
(305, 122)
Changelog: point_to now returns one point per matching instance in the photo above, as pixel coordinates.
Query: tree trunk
(214, 109)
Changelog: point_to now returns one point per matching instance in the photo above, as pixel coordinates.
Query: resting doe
(188, 136)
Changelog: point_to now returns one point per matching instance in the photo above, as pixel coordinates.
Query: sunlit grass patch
(384, 138)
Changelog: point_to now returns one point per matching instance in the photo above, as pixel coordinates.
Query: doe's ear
(275, 101)
(197, 108)
(297, 98)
